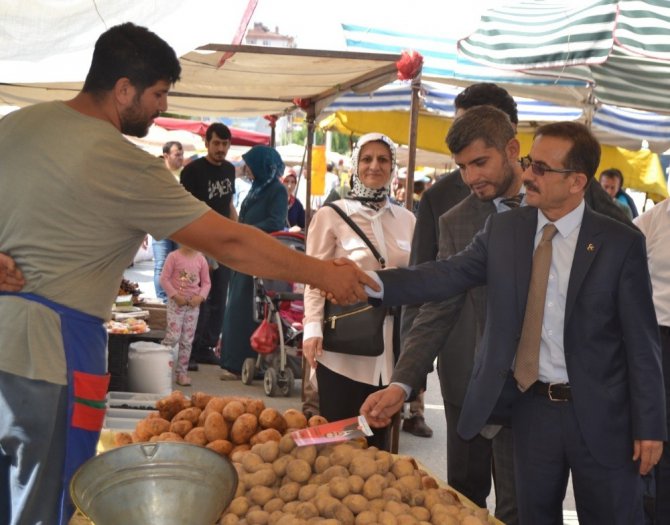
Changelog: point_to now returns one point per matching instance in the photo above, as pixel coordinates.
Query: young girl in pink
(185, 279)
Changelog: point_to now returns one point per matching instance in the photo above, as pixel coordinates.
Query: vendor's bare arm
(249, 250)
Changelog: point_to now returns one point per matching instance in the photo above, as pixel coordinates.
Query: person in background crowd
(264, 208)
(611, 181)
(173, 156)
(73, 223)
(185, 278)
(296, 211)
(211, 179)
(389, 227)
(551, 349)
(655, 225)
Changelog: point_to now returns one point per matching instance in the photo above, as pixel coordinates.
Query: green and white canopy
(620, 48)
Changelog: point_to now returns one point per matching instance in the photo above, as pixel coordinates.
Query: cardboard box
(157, 315)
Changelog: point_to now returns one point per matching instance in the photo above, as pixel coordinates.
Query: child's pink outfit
(185, 275)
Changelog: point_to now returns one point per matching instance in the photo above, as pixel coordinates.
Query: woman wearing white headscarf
(345, 381)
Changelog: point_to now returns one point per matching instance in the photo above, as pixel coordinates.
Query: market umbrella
(621, 49)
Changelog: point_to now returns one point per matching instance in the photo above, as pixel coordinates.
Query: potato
(321, 463)
(143, 431)
(295, 419)
(298, 470)
(170, 406)
(335, 470)
(269, 434)
(308, 453)
(367, 517)
(261, 495)
(271, 418)
(221, 446)
(363, 466)
(306, 510)
(181, 427)
(374, 486)
(356, 503)
(342, 514)
(232, 411)
(238, 450)
(307, 492)
(326, 505)
(229, 519)
(200, 399)
(243, 428)
(279, 465)
(251, 462)
(257, 517)
(289, 491)
(315, 421)
(239, 506)
(263, 477)
(216, 427)
(407, 519)
(420, 513)
(196, 436)
(122, 438)
(386, 518)
(273, 505)
(392, 494)
(356, 484)
(402, 467)
(254, 406)
(189, 414)
(342, 455)
(339, 487)
(286, 444)
(216, 404)
(169, 436)
(428, 482)
(269, 451)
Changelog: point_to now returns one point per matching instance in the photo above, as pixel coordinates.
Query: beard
(134, 121)
(505, 183)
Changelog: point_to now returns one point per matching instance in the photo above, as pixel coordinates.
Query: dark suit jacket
(611, 339)
(435, 201)
(449, 329)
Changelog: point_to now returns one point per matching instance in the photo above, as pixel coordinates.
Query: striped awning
(613, 125)
(620, 48)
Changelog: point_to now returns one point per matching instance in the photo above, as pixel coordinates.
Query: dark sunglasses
(540, 169)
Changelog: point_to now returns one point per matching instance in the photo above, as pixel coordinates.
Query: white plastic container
(150, 368)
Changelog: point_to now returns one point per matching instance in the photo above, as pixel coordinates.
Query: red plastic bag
(265, 338)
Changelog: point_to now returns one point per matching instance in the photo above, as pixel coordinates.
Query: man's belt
(553, 391)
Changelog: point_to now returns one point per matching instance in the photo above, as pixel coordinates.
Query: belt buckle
(551, 398)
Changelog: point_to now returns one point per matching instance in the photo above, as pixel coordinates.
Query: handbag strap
(360, 233)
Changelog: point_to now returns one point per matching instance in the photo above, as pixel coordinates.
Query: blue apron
(85, 344)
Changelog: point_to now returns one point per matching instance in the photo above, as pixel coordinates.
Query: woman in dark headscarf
(265, 207)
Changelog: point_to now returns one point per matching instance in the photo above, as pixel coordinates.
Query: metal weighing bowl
(164, 483)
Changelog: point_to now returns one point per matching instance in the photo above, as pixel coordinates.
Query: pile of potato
(224, 424)
(281, 484)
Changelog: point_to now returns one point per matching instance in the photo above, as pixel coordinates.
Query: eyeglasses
(540, 169)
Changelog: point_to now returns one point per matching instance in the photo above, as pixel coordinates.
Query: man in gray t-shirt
(78, 200)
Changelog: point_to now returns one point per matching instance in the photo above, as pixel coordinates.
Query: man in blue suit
(597, 407)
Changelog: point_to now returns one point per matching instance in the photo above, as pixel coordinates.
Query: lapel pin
(590, 247)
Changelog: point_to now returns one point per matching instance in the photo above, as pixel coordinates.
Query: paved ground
(429, 451)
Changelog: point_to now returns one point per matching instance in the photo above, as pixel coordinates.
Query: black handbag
(356, 329)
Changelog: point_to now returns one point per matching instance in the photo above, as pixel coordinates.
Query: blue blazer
(611, 337)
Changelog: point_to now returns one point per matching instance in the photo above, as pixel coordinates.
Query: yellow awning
(641, 169)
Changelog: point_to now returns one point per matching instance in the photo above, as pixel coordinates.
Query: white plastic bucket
(149, 368)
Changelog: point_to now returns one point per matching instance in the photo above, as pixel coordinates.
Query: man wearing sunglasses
(594, 404)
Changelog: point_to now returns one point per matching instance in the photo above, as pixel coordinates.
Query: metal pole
(413, 126)
(311, 118)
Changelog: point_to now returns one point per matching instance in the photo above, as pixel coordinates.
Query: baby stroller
(279, 302)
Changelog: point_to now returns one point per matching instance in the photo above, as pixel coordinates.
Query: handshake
(345, 283)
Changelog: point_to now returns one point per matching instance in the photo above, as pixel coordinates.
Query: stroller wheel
(286, 382)
(248, 370)
(270, 383)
